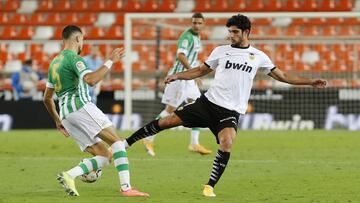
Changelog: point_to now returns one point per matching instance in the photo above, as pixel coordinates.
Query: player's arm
(94, 77)
(190, 74)
(183, 60)
(50, 106)
(279, 75)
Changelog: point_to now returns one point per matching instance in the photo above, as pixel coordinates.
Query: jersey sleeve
(213, 60)
(184, 44)
(266, 65)
(80, 67)
(50, 82)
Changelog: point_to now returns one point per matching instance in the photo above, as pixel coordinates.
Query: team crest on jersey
(252, 56)
(80, 66)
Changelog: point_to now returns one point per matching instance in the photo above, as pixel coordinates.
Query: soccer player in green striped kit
(183, 91)
(69, 78)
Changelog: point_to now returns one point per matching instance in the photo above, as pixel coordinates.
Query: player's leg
(148, 142)
(226, 138)
(121, 161)
(192, 92)
(100, 159)
(154, 127)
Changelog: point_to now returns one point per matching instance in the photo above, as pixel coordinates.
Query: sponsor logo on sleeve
(80, 66)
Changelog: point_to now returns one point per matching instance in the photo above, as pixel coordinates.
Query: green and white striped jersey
(65, 75)
(188, 44)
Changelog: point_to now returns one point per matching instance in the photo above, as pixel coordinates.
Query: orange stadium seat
(37, 19)
(115, 6)
(114, 32)
(11, 5)
(317, 21)
(344, 5)
(167, 6)
(293, 31)
(254, 5)
(79, 5)
(119, 19)
(310, 31)
(327, 5)
(346, 30)
(273, 5)
(202, 5)
(18, 19)
(87, 18)
(53, 19)
(310, 5)
(150, 6)
(291, 6)
(96, 6)
(237, 5)
(334, 21)
(329, 31)
(9, 32)
(45, 5)
(219, 6)
(352, 21)
(26, 33)
(62, 5)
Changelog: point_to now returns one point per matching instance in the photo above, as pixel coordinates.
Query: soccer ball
(92, 176)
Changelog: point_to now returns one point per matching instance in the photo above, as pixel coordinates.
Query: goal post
(350, 41)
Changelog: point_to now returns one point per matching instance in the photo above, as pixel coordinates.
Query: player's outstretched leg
(67, 179)
(149, 129)
(195, 146)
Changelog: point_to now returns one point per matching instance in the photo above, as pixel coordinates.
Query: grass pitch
(265, 166)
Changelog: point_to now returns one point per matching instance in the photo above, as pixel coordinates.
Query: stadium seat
(219, 5)
(18, 19)
(329, 31)
(202, 5)
(310, 31)
(150, 6)
(11, 5)
(79, 5)
(37, 19)
(9, 33)
(317, 21)
(336, 21)
(254, 5)
(54, 18)
(115, 33)
(310, 5)
(26, 33)
(105, 19)
(344, 5)
(45, 5)
(115, 6)
(62, 5)
(87, 18)
(237, 5)
(119, 19)
(293, 31)
(167, 6)
(273, 5)
(291, 6)
(351, 21)
(96, 6)
(51, 48)
(346, 31)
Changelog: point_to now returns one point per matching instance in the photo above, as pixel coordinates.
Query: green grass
(265, 166)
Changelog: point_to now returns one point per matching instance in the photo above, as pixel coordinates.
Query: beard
(79, 51)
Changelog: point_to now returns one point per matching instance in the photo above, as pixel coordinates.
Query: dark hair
(69, 30)
(240, 21)
(198, 15)
(28, 62)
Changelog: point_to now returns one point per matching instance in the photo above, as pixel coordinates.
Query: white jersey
(235, 69)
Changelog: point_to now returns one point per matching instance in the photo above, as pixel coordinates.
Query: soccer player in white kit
(183, 91)
(69, 78)
(235, 67)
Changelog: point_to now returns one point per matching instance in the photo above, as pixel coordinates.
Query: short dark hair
(198, 15)
(28, 62)
(69, 30)
(240, 21)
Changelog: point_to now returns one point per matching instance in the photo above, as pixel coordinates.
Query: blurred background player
(79, 118)
(219, 109)
(24, 82)
(93, 61)
(183, 91)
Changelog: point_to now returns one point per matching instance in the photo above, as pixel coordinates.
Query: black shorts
(203, 113)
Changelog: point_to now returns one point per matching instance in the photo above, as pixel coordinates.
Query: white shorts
(85, 124)
(180, 91)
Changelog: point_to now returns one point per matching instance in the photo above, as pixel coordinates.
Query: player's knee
(226, 143)
(169, 122)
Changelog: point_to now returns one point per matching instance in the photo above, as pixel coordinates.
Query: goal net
(315, 45)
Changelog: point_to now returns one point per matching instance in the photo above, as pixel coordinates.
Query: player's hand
(318, 83)
(117, 54)
(170, 79)
(62, 129)
(198, 82)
